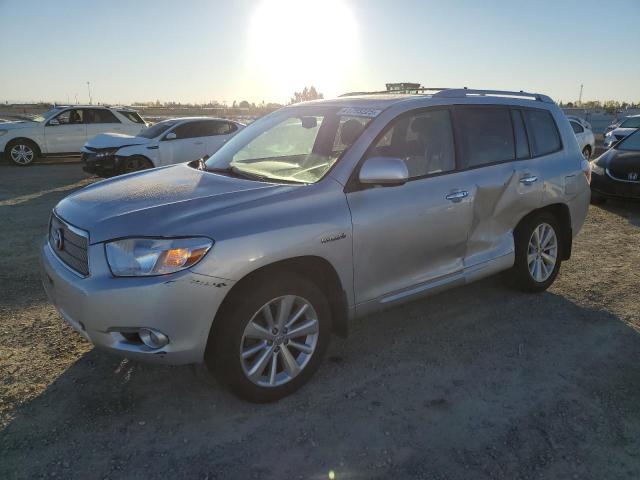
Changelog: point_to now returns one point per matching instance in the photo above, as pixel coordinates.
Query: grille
(70, 245)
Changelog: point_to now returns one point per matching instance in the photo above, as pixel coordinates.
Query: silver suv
(313, 215)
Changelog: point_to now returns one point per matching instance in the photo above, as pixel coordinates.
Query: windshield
(46, 115)
(633, 122)
(297, 144)
(157, 129)
(630, 143)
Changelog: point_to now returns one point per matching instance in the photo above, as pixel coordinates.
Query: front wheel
(135, 163)
(586, 152)
(268, 340)
(22, 152)
(537, 248)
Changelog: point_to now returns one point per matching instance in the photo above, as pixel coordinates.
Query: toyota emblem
(58, 238)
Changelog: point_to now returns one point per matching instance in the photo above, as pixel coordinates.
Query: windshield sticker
(359, 112)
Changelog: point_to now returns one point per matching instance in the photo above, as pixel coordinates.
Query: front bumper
(608, 187)
(100, 307)
(104, 166)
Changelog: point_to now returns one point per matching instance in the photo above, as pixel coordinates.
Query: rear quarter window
(131, 116)
(543, 133)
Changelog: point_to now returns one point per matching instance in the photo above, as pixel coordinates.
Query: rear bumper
(607, 187)
(100, 307)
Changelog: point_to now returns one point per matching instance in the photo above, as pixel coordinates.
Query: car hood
(14, 125)
(172, 201)
(111, 140)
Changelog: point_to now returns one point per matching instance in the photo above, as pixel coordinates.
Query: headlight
(2, 132)
(597, 169)
(139, 257)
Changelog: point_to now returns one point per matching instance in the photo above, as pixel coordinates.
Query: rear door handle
(457, 196)
(529, 179)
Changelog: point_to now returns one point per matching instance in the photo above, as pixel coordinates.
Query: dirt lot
(478, 382)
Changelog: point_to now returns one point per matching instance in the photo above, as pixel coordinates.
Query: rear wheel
(538, 252)
(135, 163)
(22, 152)
(269, 339)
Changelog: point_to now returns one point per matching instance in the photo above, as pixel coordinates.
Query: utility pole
(580, 97)
(89, 88)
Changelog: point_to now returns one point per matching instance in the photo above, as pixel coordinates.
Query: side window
(522, 145)
(423, 140)
(100, 115)
(70, 117)
(216, 127)
(544, 134)
(188, 130)
(577, 128)
(486, 135)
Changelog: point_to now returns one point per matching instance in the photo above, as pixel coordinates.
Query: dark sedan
(616, 173)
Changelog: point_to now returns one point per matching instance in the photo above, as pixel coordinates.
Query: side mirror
(170, 136)
(384, 171)
(54, 121)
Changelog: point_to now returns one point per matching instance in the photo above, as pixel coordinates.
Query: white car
(584, 135)
(171, 141)
(63, 131)
(626, 127)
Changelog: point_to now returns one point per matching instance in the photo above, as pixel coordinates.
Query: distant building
(404, 87)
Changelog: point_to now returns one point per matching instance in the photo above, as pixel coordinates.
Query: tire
(586, 152)
(22, 152)
(240, 315)
(539, 274)
(135, 164)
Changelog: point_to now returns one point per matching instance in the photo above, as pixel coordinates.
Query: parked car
(626, 127)
(311, 216)
(584, 135)
(165, 143)
(63, 131)
(616, 173)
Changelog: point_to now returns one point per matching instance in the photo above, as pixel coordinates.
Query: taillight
(585, 166)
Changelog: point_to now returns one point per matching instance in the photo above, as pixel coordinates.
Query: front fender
(142, 150)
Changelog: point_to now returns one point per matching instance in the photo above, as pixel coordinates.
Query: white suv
(63, 131)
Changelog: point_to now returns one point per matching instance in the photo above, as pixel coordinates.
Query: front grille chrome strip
(76, 256)
(618, 179)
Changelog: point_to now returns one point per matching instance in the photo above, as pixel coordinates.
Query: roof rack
(405, 91)
(447, 92)
(467, 92)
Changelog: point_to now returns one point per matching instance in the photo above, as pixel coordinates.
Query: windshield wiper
(233, 171)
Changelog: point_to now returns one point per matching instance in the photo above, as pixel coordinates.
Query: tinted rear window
(99, 115)
(543, 132)
(486, 135)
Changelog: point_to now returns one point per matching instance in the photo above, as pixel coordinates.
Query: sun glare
(297, 43)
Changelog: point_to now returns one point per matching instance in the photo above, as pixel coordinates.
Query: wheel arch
(23, 139)
(562, 213)
(317, 269)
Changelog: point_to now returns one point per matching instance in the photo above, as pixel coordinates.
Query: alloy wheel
(279, 341)
(22, 154)
(542, 252)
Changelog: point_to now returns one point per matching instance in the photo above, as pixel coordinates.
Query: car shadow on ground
(624, 208)
(477, 382)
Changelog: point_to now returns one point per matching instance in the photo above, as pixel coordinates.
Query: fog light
(153, 338)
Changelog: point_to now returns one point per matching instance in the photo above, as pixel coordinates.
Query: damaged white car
(165, 143)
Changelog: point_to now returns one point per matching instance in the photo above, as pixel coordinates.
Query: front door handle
(528, 180)
(457, 196)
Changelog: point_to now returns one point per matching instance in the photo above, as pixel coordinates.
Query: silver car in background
(313, 215)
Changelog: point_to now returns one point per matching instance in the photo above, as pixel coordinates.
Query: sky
(264, 50)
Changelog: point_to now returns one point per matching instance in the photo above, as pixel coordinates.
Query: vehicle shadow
(624, 208)
(477, 382)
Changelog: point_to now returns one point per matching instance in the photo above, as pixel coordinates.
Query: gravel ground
(478, 382)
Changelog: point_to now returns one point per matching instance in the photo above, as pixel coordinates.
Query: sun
(297, 43)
